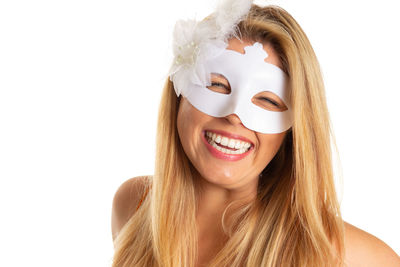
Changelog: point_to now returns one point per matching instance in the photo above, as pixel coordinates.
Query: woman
(243, 173)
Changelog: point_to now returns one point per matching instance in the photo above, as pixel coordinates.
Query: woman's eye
(269, 101)
(219, 85)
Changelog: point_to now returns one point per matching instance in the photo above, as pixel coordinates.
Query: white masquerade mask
(200, 50)
(248, 74)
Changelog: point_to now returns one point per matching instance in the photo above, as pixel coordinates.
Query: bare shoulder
(125, 202)
(364, 249)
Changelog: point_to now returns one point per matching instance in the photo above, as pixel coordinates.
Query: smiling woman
(202, 135)
(243, 171)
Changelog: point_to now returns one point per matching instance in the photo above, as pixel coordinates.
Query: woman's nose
(233, 119)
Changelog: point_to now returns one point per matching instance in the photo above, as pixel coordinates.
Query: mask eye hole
(269, 101)
(219, 84)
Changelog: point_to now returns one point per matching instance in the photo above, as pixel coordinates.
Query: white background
(80, 84)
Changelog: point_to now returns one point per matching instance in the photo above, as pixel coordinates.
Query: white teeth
(231, 143)
(237, 146)
(224, 141)
(228, 151)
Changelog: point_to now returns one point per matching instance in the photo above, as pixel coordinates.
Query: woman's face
(231, 170)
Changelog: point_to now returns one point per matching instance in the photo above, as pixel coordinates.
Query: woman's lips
(225, 156)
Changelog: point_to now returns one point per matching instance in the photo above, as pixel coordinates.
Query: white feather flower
(229, 13)
(195, 42)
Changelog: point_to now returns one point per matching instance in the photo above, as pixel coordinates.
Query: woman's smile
(233, 157)
(226, 146)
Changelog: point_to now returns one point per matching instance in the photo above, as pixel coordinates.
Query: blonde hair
(294, 220)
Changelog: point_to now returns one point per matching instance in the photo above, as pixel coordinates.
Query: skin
(221, 181)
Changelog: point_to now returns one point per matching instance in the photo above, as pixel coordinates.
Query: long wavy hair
(295, 218)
